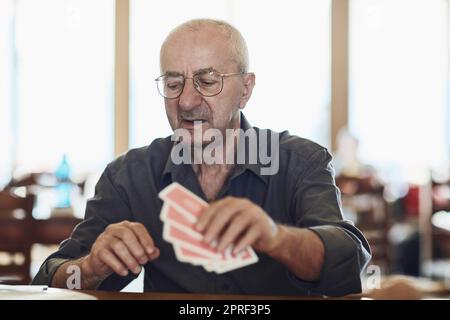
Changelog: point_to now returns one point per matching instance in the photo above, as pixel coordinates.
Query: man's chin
(195, 142)
(200, 143)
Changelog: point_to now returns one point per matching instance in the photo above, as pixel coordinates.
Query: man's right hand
(121, 247)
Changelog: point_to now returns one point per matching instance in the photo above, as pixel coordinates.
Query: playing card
(171, 215)
(184, 200)
(195, 243)
(188, 255)
(247, 257)
(179, 214)
(222, 265)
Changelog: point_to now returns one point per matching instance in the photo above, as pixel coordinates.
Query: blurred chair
(437, 223)
(42, 180)
(15, 237)
(440, 222)
(365, 200)
(440, 219)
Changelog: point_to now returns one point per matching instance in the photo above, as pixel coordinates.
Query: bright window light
(64, 75)
(6, 91)
(399, 83)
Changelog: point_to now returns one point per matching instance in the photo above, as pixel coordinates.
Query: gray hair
(239, 46)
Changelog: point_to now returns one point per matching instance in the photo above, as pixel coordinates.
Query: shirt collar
(255, 168)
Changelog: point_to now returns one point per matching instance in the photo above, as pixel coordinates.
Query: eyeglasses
(208, 84)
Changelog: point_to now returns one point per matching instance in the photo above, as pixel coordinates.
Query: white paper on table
(23, 292)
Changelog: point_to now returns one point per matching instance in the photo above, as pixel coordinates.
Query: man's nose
(189, 98)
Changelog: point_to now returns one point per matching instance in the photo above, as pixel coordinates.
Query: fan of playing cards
(179, 214)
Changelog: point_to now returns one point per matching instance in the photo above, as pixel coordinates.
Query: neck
(217, 155)
(202, 167)
(212, 176)
(211, 170)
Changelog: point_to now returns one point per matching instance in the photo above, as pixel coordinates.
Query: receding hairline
(239, 46)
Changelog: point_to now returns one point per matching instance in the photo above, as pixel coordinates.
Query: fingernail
(155, 254)
(124, 273)
(150, 250)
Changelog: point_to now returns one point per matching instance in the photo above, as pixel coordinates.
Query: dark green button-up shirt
(302, 194)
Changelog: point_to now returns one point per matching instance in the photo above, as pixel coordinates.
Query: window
(399, 83)
(58, 89)
(6, 90)
(291, 62)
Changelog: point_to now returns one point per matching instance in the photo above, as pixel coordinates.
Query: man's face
(188, 53)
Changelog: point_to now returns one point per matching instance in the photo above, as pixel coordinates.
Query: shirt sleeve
(317, 207)
(108, 206)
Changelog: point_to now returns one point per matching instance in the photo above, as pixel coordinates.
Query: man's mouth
(191, 123)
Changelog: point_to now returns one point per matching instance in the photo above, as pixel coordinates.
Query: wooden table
(108, 295)
(174, 305)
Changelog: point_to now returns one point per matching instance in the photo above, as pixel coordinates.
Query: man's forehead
(198, 41)
(194, 51)
(202, 31)
(191, 64)
(202, 37)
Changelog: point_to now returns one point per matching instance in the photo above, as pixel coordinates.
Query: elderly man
(291, 217)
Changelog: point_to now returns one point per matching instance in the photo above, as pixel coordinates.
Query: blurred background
(368, 79)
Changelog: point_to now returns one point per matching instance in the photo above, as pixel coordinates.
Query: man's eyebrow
(173, 73)
(199, 71)
(204, 70)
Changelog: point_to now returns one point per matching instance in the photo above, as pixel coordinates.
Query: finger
(247, 240)
(221, 219)
(131, 241)
(144, 237)
(237, 226)
(111, 261)
(154, 255)
(207, 214)
(122, 252)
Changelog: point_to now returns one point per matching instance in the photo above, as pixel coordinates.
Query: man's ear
(249, 84)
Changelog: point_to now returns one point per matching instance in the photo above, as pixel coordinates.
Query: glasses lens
(209, 83)
(170, 86)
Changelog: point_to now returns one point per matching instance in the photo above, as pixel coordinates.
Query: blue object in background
(64, 186)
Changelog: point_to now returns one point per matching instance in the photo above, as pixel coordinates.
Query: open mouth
(190, 123)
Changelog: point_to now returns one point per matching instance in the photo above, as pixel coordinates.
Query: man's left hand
(240, 222)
